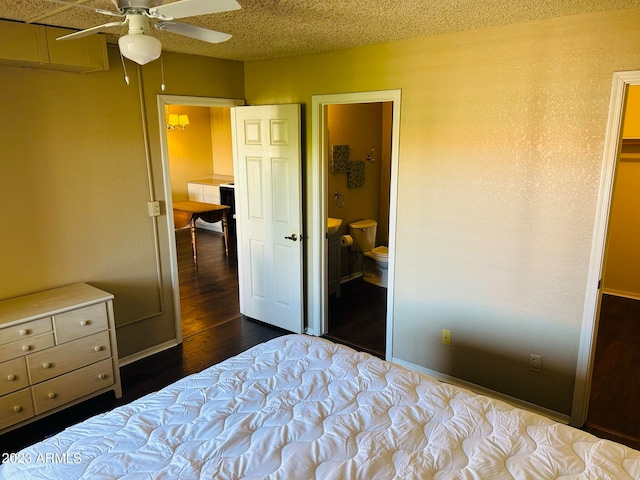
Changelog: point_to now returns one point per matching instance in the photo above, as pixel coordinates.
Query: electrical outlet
(535, 363)
(445, 337)
(154, 208)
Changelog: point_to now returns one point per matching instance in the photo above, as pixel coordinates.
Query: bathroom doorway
(368, 124)
(358, 188)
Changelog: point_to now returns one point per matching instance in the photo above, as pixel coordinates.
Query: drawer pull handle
(17, 408)
(24, 332)
(84, 323)
(46, 365)
(52, 395)
(97, 348)
(26, 348)
(11, 377)
(102, 376)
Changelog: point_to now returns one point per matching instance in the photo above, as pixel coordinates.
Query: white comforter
(300, 407)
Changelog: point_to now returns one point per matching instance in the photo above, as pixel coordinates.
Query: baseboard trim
(348, 278)
(620, 293)
(146, 353)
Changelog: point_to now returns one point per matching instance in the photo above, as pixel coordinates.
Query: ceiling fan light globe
(140, 48)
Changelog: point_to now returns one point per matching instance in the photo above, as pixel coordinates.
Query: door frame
(591, 312)
(189, 101)
(317, 314)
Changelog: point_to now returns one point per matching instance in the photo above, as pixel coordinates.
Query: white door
(269, 213)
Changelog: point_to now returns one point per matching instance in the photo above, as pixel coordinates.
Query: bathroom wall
(385, 173)
(360, 127)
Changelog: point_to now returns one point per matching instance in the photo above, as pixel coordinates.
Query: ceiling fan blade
(91, 31)
(192, 31)
(191, 8)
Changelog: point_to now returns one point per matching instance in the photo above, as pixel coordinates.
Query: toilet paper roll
(346, 240)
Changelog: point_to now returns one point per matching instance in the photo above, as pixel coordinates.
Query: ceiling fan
(139, 44)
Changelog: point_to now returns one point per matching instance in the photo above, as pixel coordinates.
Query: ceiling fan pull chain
(161, 73)
(124, 67)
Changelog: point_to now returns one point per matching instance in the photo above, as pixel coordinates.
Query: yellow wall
(221, 140)
(190, 150)
(74, 184)
(631, 126)
(622, 267)
(501, 140)
(622, 271)
(202, 150)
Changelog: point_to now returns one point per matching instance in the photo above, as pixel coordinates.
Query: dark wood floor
(614, 405)
(208, 291)
(358, 317)
(209, 296)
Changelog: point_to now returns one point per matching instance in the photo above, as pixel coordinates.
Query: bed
(300, 407)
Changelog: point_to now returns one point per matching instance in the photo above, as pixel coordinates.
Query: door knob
(293, 237)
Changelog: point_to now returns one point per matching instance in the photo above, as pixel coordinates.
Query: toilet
(374, 259)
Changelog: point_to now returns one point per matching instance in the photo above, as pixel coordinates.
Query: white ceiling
(277, 28)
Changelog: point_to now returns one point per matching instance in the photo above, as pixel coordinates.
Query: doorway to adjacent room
(207, 294)
(614, 394)
(586, 386)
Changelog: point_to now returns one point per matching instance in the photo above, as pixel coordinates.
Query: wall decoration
(356, 174)
(339, 158)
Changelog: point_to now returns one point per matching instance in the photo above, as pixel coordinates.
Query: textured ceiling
(276, 28)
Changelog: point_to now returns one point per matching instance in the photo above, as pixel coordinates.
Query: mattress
(300, 407)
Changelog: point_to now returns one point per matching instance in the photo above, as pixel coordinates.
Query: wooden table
(186, 213)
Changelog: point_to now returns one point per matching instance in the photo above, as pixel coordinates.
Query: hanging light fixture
(139, 45)
(140, 48)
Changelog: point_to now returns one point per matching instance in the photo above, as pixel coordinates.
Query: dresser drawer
(71, 386)
(13, 375)
(26, 346)
(25, 330)
(15, 408)
(69, 356)
(80, 323)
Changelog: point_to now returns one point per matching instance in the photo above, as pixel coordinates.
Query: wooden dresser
(57, 348)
